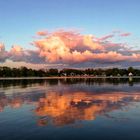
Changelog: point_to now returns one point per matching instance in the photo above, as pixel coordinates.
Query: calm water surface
(70, 109)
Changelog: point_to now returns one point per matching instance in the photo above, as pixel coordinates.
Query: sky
(69, 33)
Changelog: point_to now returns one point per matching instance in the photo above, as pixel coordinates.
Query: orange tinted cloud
(16, 49)
(2, 47)
(3, 53)
(88, 41)
(42, 33)
(70, 107)
(70, 48)
(62, 108)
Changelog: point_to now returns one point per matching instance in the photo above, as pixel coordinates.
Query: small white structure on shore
(72, 74)
(130, 74)
(118, 75)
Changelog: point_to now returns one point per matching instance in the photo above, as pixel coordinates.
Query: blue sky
(20, 19)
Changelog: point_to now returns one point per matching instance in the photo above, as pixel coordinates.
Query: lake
(70, 109)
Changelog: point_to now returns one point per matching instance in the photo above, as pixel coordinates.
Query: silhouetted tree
(25, 72)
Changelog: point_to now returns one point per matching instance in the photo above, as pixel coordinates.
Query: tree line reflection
(68, 81)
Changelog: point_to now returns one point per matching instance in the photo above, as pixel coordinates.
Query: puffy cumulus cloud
(2, 47)
(18, 64)
(71, 39)
(88, 40)
(70, 48)
(16, 50)
(18, 54)
(3, 53)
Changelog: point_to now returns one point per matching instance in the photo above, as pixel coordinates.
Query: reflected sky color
(69, 107)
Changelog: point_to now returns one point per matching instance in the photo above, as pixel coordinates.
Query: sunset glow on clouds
(71, 48)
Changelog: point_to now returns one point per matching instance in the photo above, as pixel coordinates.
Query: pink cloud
(70, 48)
(125, 34)
(42, 33)
(2, 47)
(106, 37)
(16, 49)
(3, 53)
(61, 46)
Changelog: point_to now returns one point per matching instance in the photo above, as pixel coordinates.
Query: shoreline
(67, 77)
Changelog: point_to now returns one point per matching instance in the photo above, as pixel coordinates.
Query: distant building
(72, 74)
(118, 75)
(63, 74)
(130, 74)
(85, 75)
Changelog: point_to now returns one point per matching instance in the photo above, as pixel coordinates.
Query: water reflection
(68, 108)
(57, 104)
(68, 81)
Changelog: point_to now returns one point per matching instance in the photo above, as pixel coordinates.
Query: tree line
(27, 72)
